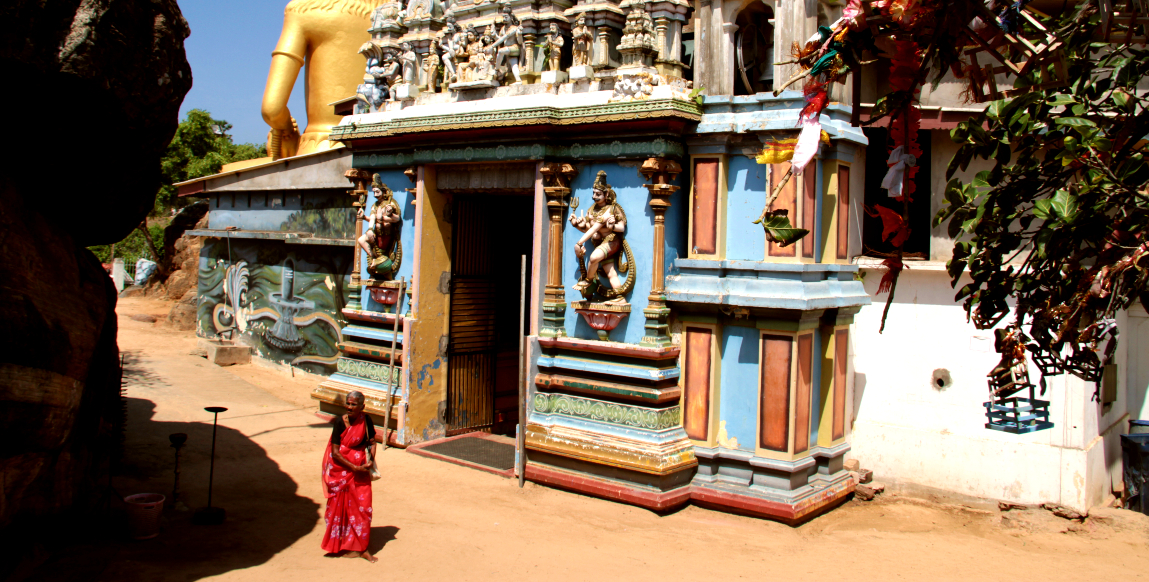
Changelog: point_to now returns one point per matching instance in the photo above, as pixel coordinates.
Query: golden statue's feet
(617, 301)
(581, 285)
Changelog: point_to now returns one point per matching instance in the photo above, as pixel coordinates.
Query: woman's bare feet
(367, 556)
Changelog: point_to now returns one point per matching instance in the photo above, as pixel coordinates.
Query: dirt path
(435, 520)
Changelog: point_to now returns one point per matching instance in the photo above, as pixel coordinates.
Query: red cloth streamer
(816, 99)
(894, 227)
(893, 267)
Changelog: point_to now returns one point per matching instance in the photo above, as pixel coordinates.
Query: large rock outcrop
(91, 97)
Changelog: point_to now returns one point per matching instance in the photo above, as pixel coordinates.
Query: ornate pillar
(527, 64)
(659, 172)
(359, 178)
(602, 55)
(660, 25)
(557, 179)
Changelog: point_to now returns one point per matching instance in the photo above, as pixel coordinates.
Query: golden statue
(323, 34)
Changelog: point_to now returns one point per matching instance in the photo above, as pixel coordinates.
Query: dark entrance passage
(491, 233)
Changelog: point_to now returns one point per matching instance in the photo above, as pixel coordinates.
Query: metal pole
(211, 472)
(391, 362)
(521, 440)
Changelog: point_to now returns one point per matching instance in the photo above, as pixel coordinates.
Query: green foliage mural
(322, 222)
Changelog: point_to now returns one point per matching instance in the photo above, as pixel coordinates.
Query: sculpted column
(659, 172)
(359, 178)
(557, 179)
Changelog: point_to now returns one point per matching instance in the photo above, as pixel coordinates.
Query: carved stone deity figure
(451, 42)
(380, 239)
(581, 39)
(554, 48)
(374, 90)
(604, 226)
(391, 73)
(509, 43)
(410, 62)
(431, 66)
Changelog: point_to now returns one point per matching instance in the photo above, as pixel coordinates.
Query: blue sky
(230, 51)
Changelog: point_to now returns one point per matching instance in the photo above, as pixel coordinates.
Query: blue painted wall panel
(634, 198)
(746, 193)
(738, 407)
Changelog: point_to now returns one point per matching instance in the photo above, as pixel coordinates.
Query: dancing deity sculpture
(604, 226)
(380, 239)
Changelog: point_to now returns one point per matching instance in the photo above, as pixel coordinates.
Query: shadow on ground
(265, 514)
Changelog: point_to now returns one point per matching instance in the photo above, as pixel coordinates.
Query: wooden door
(471, 340)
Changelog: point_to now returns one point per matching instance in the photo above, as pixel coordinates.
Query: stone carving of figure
(604, 226)
(380, 239)
(554, 47)
(374, 90)
(581, 39)
(410, 62)
(509, 43)
(451, 41)
(391, 74)
(431, 66)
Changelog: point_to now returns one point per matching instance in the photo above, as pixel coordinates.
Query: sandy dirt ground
(438, 521)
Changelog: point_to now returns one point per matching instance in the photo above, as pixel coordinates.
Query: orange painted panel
(705, 207)
(843, 212)
(696, 417)
(840, 341)
(810, 208)
(774, 427)
(787, 199)
(805, 383)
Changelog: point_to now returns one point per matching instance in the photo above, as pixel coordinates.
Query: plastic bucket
(1135, 457)
(144, 511)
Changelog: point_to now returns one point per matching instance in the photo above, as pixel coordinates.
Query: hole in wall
(941, 379)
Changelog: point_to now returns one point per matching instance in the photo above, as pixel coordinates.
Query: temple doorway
(490, 234)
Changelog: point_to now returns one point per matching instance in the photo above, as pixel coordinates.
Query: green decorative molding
(620, 414)
(372, 371)
(535, 151)
(622, 111)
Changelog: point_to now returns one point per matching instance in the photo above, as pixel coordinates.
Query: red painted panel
(696, 417)
(840, 354)
(809, 209)
(704, 216)
(805, 383)
(787, 199)
(774, 427)
(843, 212)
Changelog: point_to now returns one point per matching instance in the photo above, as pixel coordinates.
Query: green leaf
(1121, 98)
(1074, 122)
(994, 109)
(1065, 206)
(779, 230)
(1060, 100)
(981, 180)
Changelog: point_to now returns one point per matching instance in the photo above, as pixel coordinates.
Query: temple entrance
(491, 232)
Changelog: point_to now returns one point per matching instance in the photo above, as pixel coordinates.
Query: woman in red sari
(347, 482)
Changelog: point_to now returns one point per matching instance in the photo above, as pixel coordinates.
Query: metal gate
(471, 339)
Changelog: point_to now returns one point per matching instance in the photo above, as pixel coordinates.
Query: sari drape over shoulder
(348, 514)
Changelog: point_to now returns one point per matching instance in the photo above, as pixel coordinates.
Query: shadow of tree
(265, 514)
(135, 373)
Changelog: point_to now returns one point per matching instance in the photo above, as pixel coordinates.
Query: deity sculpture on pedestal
(410, 62)
(431, 66)
(509, 43)
(581, 39)
(380, 239)
(604, 226)
(554, 48)
(451, 43)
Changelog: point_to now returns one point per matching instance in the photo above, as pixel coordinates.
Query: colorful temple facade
(677, 351)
